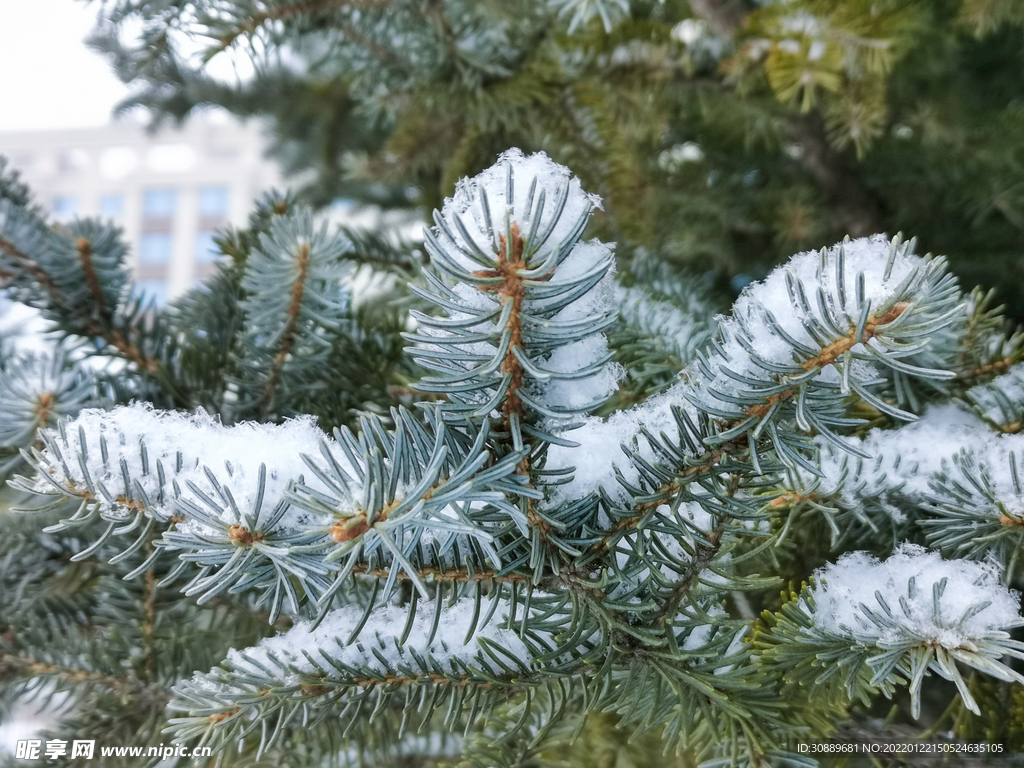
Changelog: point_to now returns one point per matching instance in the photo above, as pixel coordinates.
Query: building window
(154, 291)
(65, 207)
(207, 251)
(112, 206)
(213, 202)
(159, 203)
(155, 248)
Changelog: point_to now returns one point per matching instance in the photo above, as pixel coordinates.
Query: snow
(673, 158)
(587, 353)
(32, 715)
(189, 441)
(568, 284)
(582, 261)
(679, 331)
(688, 31)
(1002, 398)
(600, 443)
(383, 628)
(552, 180)
(872, 271)
(578, 356)
(906, 461)
(772, 302)
(23, 328)
(974, 604)
(801, 22)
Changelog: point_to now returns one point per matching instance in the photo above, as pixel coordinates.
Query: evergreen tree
(722, 134)
(552, 532)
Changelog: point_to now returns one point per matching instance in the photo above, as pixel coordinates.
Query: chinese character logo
(83, 748)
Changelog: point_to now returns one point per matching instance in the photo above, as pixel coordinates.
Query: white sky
(48, 77)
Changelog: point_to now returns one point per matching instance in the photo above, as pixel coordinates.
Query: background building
(170, 190)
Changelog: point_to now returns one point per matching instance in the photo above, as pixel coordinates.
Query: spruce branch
(909, 626)
(286, 11)
(764, 370)
(240, 528)
(974, 511)
(318, 667)
(295, 296)
(948, 475)
(76, 275)
(990, 346)
(505, 551)
(35, 392)
(1000, 402)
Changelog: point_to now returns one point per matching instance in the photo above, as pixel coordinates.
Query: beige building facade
(170, 191)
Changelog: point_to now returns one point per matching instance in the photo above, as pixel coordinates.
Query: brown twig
(459, 682)
(837, 349)
(997, 366)
(709, 460)
(450, 574)
(315, 689)
(826, 356)
(115, 337)
(701, 560)
(92, 328)
(149, 621)
(44, 409)
(84, 249)
(513, 289)
(830, 354)
(288, 336)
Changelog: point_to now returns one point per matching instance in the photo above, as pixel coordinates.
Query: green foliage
(474, 578)
(813, 119)
(543, 533)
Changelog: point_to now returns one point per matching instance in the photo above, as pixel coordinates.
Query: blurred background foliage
(723, 135)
